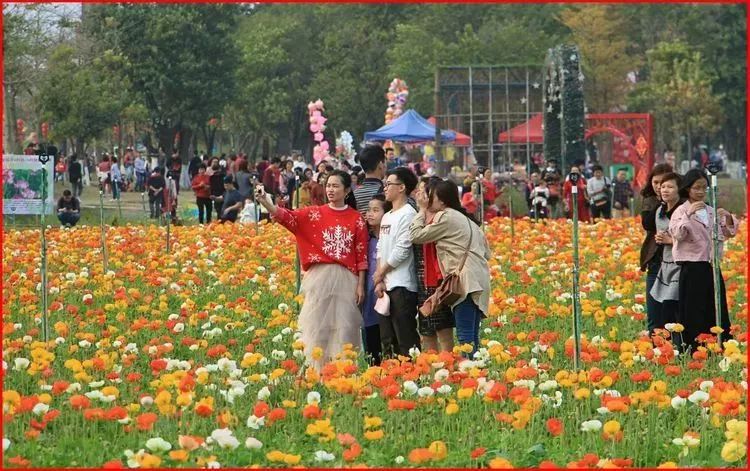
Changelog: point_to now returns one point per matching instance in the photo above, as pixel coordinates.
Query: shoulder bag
(451, 289)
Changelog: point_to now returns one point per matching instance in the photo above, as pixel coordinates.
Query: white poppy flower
(255, 423)
(264, 393)
(225, 439)
(253, 443)
(678, 402)
(313, 397)
(698, 397)
(410, 387)
(591, 426)
(323, 456)
(158, 444)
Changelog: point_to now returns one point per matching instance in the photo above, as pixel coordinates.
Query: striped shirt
(365, 192)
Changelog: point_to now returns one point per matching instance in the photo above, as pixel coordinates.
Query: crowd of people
(373, 254)
(377, 237)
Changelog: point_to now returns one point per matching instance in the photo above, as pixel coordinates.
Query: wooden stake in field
(716, 265)
(576, 294)
(103, 229)
(43, 159)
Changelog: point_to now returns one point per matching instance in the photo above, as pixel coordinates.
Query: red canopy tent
(531, 130)
(461, 139)
(633, 137)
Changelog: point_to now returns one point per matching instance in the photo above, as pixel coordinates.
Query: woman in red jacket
(582, 197)
(332, 241)
(202, 188)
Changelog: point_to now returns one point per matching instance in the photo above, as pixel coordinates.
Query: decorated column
(318, 127)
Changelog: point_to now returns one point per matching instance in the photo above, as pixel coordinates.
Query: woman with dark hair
(436, 330)
(691, 228)
(581, 197)
(288, 182)
(332, 241)
(457, 237)
(665, 290)
(243, 179)
(650, 256)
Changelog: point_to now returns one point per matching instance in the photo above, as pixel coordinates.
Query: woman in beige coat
(453, 233)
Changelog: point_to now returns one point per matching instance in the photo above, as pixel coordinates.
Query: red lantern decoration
(45, 130)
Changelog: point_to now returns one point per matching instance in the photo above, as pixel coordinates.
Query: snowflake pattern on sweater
(328, 235)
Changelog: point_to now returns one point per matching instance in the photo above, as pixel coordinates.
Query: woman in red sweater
(332, 241)
(202, 189)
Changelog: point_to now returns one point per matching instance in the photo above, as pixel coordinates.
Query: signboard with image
(23, 184)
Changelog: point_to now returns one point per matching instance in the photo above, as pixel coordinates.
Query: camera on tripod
(713, 168)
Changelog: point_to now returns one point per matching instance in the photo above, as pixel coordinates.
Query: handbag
(451, 289)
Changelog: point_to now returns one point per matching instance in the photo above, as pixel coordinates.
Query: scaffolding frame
(486, 100)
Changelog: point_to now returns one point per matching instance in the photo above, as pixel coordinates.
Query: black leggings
(204, 209)
(217, 206)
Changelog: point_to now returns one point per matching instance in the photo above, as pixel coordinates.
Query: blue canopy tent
(409, 128)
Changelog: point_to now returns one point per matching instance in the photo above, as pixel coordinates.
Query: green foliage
(82, 98)
(602, 35)
(255, 68)
(181, 58)
(679, 92)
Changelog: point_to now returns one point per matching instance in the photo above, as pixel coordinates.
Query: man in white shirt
(396, 274)
(599, 192)
(299, 162)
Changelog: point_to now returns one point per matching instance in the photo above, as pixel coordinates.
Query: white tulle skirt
(330, 317)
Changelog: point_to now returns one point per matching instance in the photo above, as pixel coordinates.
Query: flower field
(190, 359)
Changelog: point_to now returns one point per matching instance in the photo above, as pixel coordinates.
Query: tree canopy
(238, 78)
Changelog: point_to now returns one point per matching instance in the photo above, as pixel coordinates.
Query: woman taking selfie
(332, 241)
(691, 228)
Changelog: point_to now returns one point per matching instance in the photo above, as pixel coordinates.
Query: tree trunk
(9, 136)
(166, 138)
(79, 147)
(186, 136)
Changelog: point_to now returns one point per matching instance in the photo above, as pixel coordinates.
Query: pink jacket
(692, 238)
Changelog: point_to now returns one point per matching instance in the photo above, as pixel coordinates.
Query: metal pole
(43, 159)
(257, 208)
(471, 107)
(297, 261)
(103, 229)
(438, 153)
(491, 134)
(632, 207)
(510, 155)
(528, 144)
(169, 209)
(297, 266)
(143, 202)
(716, 265)
(576, 294)
(480, 197)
